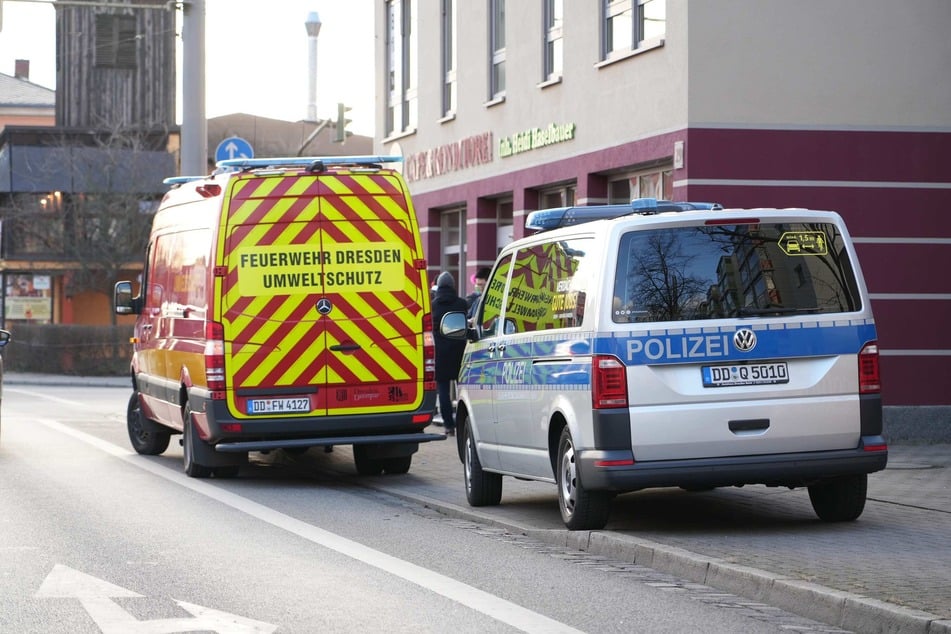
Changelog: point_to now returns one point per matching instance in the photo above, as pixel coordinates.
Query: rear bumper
(788, 470)
(270, 433)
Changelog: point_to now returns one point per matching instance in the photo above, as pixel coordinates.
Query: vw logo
(744, 340)
(324, 306)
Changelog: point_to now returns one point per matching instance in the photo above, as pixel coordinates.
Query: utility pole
(194, 151)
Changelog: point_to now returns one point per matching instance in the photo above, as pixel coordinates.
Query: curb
(846, 610)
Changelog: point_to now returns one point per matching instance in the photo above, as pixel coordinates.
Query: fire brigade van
(284, 305)
(663, 344)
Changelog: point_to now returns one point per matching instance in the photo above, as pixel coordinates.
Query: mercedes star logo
(324, 306)
(744, 340)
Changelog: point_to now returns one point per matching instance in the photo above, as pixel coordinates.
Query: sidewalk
(890, 571)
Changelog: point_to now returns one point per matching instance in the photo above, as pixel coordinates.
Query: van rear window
(714, 272)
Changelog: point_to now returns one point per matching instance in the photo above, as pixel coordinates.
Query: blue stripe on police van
(549, 361)
(774, 340)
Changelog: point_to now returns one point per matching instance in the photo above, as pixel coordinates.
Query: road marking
(96, 596)
(483, 602)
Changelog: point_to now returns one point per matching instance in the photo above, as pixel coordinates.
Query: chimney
(21, 69)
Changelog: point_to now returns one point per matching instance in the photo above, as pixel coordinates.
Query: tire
(580, 509)
(366, 466)
(839, 499)
(482, 488)
(397, 466)
(147, 437)
(192, 468)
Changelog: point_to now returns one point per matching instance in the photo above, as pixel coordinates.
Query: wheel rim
(135, 422)
(567, 488)
(467, 464)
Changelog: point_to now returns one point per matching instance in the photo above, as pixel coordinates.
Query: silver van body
(673, 344)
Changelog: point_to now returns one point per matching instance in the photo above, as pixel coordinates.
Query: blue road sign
(233, 147)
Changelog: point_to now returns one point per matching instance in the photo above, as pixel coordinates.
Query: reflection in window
(729, 271)
(549, 286)
(628, 24)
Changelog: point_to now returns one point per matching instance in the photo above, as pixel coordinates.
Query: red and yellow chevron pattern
(345, 240)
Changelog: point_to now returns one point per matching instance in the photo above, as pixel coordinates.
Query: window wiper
(776, 310)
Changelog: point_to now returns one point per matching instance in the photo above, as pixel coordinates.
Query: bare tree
(94, 195)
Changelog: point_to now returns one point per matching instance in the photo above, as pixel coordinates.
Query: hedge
(69, 349)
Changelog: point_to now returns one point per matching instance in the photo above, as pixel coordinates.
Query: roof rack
(548, 219)
(308, 161)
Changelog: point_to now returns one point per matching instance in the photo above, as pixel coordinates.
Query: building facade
(500, 108)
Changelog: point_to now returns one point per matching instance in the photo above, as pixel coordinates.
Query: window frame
(637, 40)
(552, 35)
(496, 59)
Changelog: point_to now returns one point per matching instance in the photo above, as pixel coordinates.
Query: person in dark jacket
(448, 351)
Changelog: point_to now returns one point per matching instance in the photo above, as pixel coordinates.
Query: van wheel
(482, 488)
(398, 465)
(839, 499)
(189, 440)
(147, 437)
(366, 465)
(580, 509)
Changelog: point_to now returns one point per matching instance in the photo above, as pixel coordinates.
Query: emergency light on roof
(181, 180)
(307, 161)
(547, 219)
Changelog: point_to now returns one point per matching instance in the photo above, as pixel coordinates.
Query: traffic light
(342, 122)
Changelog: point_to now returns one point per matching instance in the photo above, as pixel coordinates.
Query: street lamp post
(312, 24)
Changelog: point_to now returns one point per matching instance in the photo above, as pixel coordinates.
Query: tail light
(609, 383)
(869, 379)
(429, 353)
(215, 359)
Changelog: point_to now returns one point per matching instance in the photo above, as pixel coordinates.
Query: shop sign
(536, 138)
(452, 157)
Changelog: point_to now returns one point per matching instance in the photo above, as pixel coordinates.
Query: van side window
(549, 284)
(491, 306)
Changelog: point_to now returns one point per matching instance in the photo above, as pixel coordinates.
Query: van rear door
(322, 305)
(744, 339)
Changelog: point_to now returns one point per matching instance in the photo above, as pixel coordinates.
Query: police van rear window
(715, 272)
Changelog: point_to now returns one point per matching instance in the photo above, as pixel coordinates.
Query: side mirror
(123, 301)
(4, 337)
(454, 325)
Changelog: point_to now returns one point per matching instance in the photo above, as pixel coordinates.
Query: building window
(505, 231)
(553, 46)
(656, 183)
(448, 57)
(497, 48)
(400, 53)
(562, 196)
(452, 240)
(628, 25)
(115, 41)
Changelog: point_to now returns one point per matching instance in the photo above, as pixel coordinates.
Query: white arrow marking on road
(95, 595)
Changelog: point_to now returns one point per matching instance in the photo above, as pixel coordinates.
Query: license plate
(278, 405)
(745, 374)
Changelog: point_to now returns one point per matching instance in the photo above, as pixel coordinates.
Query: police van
(663, 344)
(284, 305)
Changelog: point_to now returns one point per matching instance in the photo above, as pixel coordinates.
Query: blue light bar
(547, 219)
(181, 180)
(307, 161)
